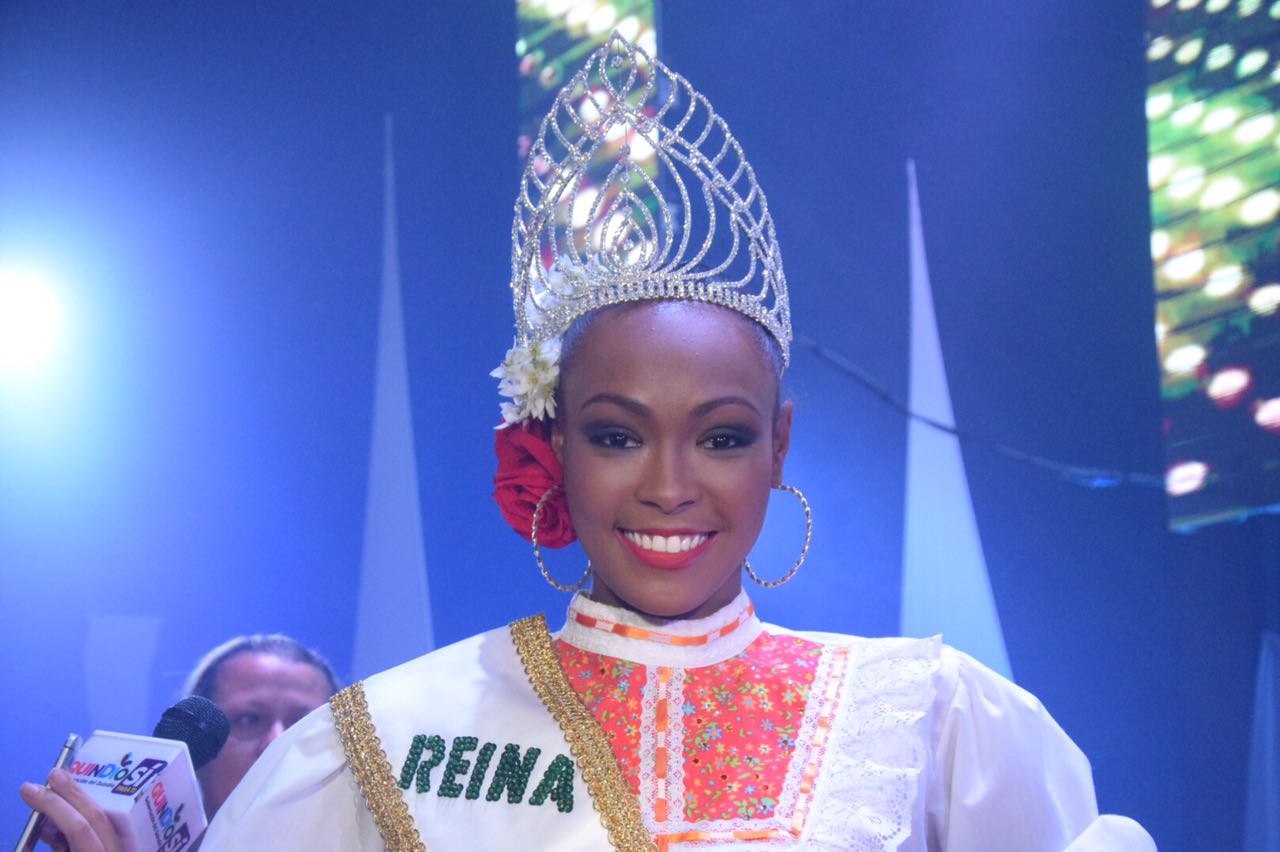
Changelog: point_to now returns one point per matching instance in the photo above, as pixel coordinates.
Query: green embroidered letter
(436, 744)
(556, 784)
(477, 774)
(457, 765)
(411, 761)
(512, 773)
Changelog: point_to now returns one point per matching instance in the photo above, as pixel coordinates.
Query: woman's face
(671, 436)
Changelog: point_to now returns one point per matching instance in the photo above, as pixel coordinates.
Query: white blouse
(921, 749)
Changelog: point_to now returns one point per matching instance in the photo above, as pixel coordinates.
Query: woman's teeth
(665, 543)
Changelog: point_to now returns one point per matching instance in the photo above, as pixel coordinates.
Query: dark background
(205, 180)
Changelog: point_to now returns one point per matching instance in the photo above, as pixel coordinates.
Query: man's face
(261, 695)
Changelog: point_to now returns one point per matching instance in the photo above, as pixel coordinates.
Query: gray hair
(203, 680)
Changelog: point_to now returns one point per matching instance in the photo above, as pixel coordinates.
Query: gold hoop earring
(537, 551)
(804, 551)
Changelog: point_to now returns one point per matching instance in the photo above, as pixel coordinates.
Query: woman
(646, 419)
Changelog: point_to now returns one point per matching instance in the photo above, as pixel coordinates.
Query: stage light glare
(1220, 119)
(32, 323)
(1224, 281)
(556, 8)
(1188, 51)
(1159, 103)
(648, 42)
(1162, 330)
(588, 110)
(1248, 7)
(1184, 5)
(629, 27)
(1159, 168)
(580, 13)
(1229, 386)
(1159, 48)
(641, 149)
(1261, 207)
(1252, 62)
(1221, 191)
(602, 20)
(1256, 128)
(1184, 359)
(582, 206)
(1266, 413)
(1265, 300)
(1274, 11)
(1219, 57)
(1215, 6)
(1186, 182)
(1185, 478)
(1187, 114)
(1184, 267)
(1159, 244)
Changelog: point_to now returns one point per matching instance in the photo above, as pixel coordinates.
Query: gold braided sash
(373, 771)
(619, 810)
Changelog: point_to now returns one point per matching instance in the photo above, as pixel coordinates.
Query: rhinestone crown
(581, 241)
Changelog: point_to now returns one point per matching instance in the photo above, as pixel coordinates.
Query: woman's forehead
(671, 343)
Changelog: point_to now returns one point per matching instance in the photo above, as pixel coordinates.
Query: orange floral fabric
(740, 721)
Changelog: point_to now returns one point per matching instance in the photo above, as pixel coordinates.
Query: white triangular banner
(393, 609)
(945, 587)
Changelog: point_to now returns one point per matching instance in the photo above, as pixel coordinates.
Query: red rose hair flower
(527, 469)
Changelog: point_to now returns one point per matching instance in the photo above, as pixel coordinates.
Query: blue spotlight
(32, 324)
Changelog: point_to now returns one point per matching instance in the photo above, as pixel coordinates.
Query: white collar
(678, 643)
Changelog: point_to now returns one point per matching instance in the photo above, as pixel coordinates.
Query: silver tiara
(594, 227)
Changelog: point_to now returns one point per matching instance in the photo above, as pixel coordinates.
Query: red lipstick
(666, 561)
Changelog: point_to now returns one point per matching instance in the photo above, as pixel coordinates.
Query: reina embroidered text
(512, 773)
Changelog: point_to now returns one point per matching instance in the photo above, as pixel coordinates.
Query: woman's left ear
(781, 439)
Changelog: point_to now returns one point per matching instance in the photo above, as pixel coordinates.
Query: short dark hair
(203, 680)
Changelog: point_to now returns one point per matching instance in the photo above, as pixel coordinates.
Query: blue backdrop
(205, 183)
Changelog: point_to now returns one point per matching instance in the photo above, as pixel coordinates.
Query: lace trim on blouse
(687, 643)
(866, 800)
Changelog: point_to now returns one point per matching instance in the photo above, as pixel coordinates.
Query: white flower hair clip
(528, 375)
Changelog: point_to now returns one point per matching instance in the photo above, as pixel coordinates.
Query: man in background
(263, 683)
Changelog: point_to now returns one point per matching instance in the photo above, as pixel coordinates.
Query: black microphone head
(199, 723)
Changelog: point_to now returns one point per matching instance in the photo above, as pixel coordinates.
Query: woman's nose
(669, 484)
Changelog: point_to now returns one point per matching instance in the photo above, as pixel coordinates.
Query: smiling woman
(671, 435)
(645, 418)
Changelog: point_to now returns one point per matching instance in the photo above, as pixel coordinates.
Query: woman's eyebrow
(712, 404)
(637, 408)
(642, 410)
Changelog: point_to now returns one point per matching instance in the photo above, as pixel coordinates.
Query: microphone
(147, 785)
(199, 723)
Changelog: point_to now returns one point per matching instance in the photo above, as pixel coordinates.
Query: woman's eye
(614, 440)
(726, 441)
